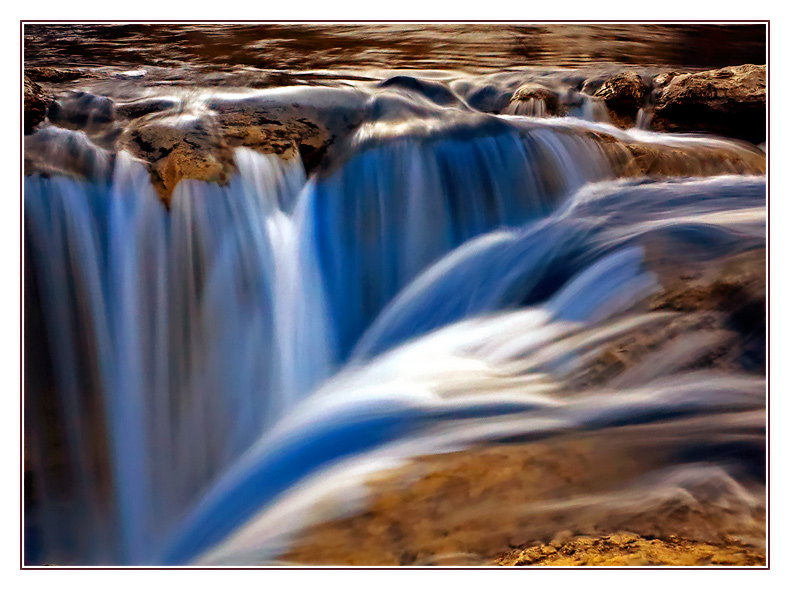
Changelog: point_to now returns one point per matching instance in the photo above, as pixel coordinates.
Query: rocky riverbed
(190, 134)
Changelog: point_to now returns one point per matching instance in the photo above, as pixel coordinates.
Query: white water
(262, 340)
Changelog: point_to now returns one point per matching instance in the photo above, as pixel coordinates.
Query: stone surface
(35, 104)
(664, 78)
(472, 506)
(55, 151)
(291, 120)
(134, 109)
(87, 112)
(537, 100)
(45, 74)
(729, 102)
(624, 94)
(178, 147)
(628, 549)
(631, 158)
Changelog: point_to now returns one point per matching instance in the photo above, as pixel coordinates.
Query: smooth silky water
(200, 378)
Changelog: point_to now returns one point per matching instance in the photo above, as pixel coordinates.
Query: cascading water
(198, 377)
(183, 303)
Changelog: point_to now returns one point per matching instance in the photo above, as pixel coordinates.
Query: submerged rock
(624, 94)
(56, 151)
(84, 111)
(134, 109)
(434, 91)
(729, 102)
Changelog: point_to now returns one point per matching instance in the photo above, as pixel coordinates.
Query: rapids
(205, 380)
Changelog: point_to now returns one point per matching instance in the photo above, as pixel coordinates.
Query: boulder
(82, 111)
(624, 94)
(179, 147)
(729, 102)
(286, 121)
(536, 100)
(35, 104)
(64, 152)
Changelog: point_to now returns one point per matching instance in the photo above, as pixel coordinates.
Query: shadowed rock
(434, 91)
(52, 150)
(35, 104)
(729, 101)
(135, 109)
(87, 112)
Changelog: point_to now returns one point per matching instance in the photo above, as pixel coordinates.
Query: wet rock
(436, 92)
(35, 104)
(629, 158)
(291, 120)
(179, 147)
(135, 109)
(536, 100)
(664, 78)
(729, 102)
(484, 97)
(41, 74)
(82, 111)
(56, 151)
(624, 94)
(591, 85)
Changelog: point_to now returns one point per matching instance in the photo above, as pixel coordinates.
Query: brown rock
(287, 121)
(624, 94)
(729, 102)
(35, 104)
(636, 159)
(536, 100)
(664, 78)
(41, 74)
(178, 147)
(625, 548)
(479, 503)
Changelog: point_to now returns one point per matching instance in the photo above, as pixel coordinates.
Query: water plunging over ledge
(210, 374)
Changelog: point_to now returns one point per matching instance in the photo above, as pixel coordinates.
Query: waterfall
(198, 378)
(395, 208)
(153, 314)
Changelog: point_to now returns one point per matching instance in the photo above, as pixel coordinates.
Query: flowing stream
(198, 377)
